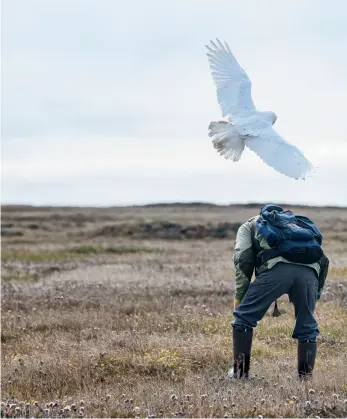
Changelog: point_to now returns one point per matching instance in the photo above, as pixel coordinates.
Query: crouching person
(284, 250)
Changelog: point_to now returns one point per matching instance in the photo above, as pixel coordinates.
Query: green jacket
(247, 245)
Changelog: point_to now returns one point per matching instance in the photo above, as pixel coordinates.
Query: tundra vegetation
(125, 312)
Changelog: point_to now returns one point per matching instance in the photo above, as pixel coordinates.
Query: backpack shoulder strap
(255, 246)
(262, 255)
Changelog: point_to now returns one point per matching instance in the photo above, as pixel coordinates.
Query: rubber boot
(242, 344)
(306, 358)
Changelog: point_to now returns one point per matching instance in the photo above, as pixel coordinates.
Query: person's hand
(319, 293)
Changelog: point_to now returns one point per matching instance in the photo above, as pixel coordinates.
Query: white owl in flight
(243, 124)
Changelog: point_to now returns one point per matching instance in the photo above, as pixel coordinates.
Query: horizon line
(250, 204)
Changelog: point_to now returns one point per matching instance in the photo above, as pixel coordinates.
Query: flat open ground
(126, 312)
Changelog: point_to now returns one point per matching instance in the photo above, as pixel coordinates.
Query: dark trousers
(298, 281)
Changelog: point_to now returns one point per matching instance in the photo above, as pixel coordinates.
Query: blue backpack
(292, 236)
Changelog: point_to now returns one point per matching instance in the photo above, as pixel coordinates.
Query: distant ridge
(235, 205)
(24, 207)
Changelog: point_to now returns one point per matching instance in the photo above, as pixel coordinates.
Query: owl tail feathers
(218, 130)
(227, 145)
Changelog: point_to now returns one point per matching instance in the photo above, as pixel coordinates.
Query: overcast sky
(107, 102)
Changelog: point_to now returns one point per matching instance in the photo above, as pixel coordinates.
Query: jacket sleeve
(324, 267)
(244, 261)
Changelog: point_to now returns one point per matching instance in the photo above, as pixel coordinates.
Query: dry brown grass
(146, 332)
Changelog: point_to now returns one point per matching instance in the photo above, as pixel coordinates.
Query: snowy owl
(243, 124)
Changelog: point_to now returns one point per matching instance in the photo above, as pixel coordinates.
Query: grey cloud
(81, 67)
(74, 68)
(127, 190)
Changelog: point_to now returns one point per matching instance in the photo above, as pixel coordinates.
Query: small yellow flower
(291, 402)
